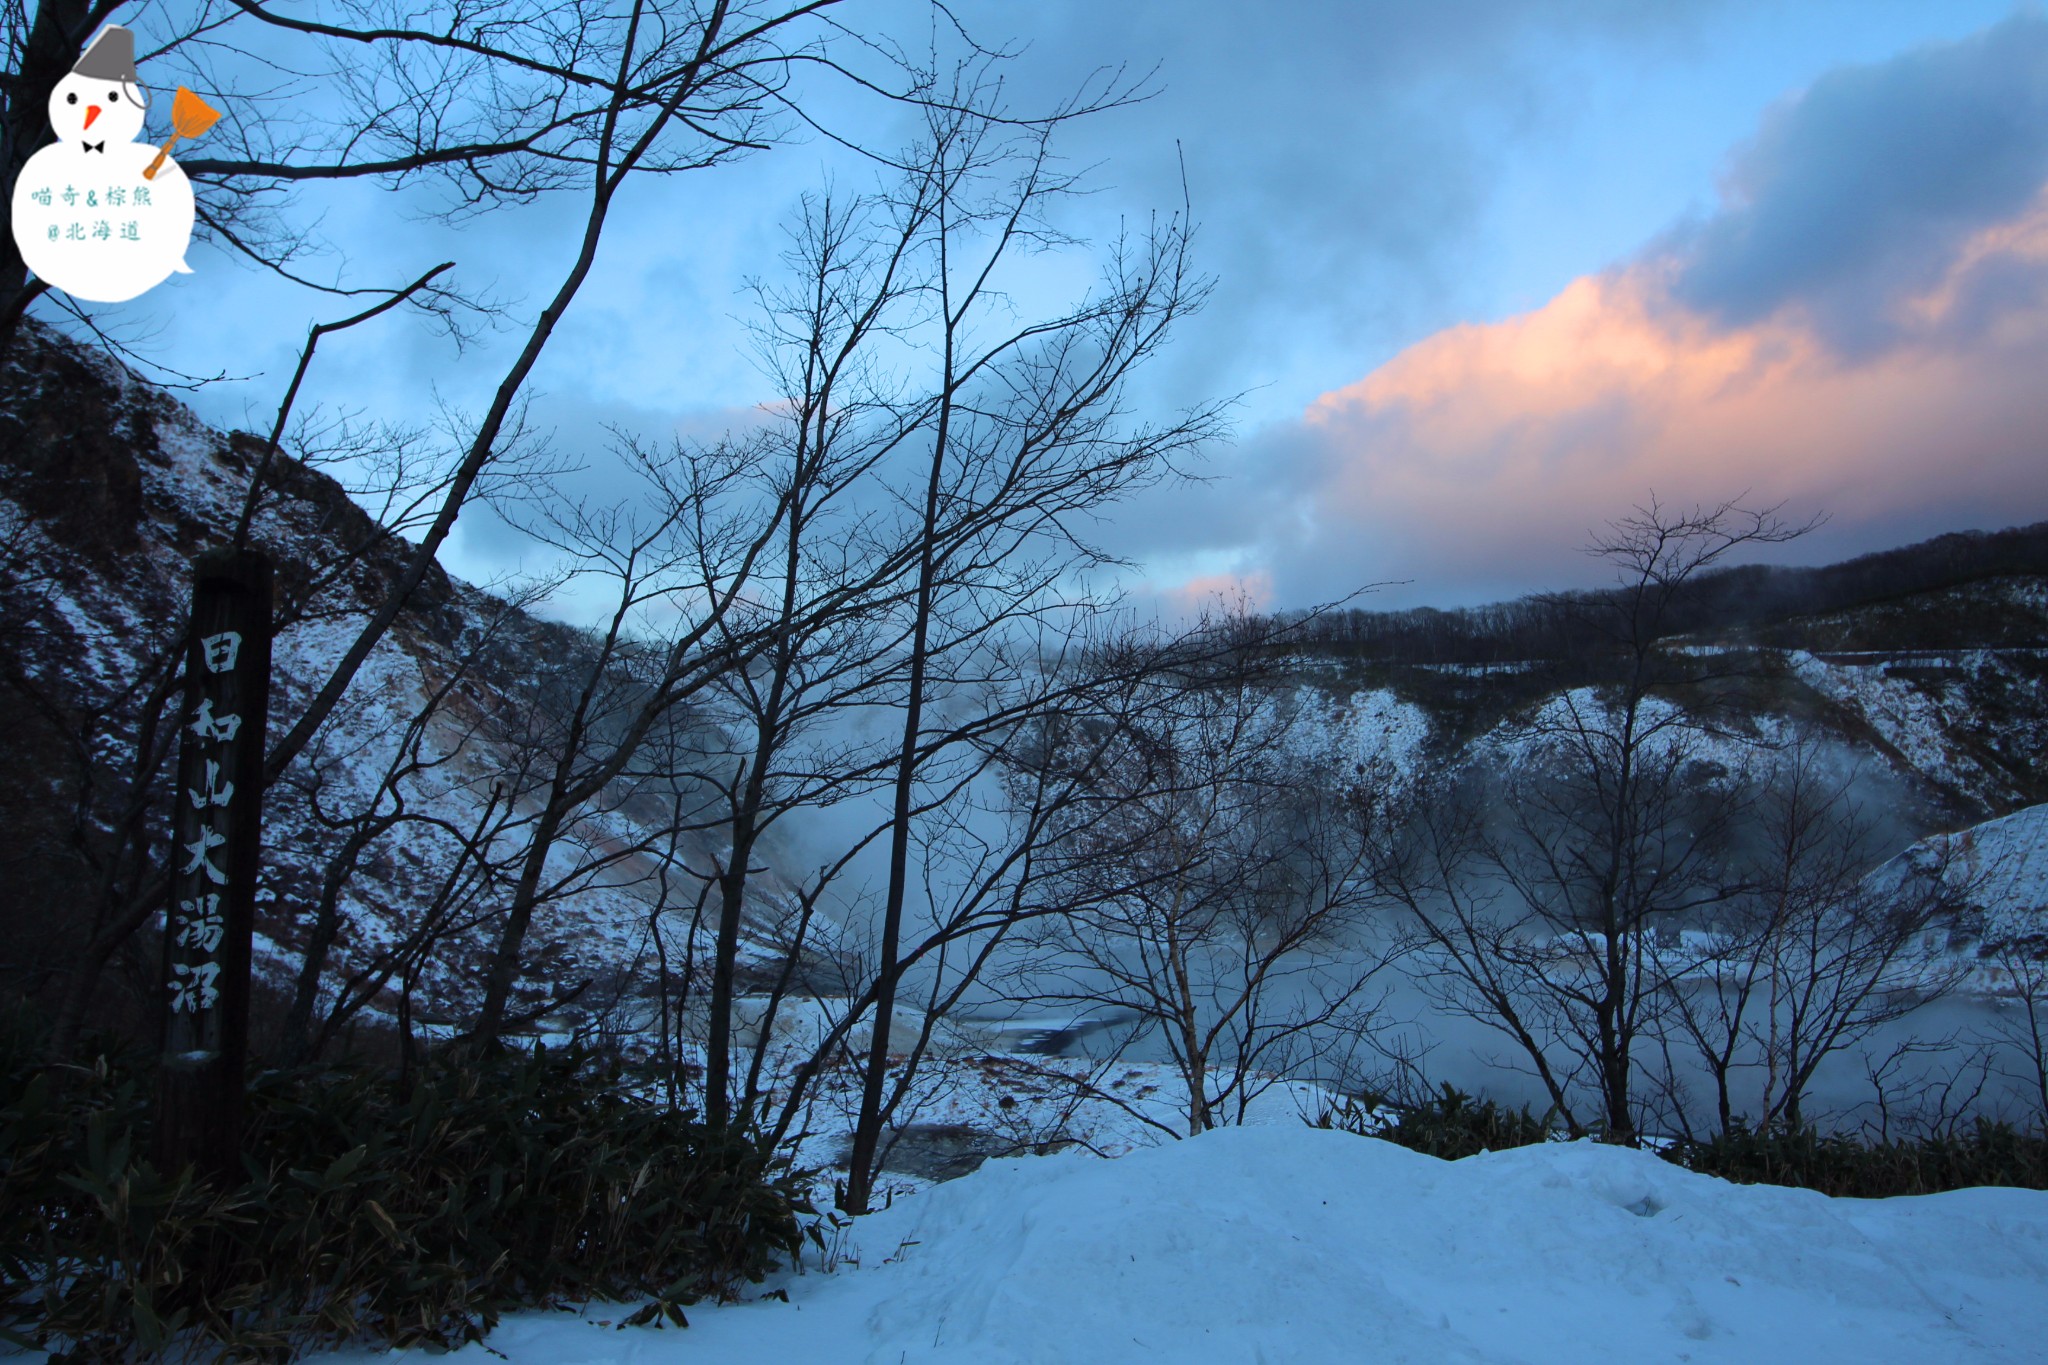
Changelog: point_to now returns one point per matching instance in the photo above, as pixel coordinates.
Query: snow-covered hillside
(1948, 720)
(110, 507)
(2002, 867)
(1997, 874)
(107, 488)
(1303, 1246)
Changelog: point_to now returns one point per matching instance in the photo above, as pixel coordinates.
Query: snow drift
(1294, 1244)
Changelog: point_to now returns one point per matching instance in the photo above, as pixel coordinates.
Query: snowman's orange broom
(191, 116)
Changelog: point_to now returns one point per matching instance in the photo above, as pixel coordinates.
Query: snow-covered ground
(1293, 1244)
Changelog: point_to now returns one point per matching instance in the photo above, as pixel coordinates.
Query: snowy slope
(1366, 733)
(1292, 1244)
(1997, 870)
(2006, 864)
(108, 496)
(1932, 731)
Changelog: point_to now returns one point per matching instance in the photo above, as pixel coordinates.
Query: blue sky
(1488, 273)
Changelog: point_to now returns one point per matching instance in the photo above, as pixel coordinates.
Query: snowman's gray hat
(111, 56)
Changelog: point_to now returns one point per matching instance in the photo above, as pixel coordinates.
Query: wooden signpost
(215, 841)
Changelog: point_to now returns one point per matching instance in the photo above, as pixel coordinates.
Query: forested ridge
(1778, 606)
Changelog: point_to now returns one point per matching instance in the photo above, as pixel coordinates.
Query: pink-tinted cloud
(1486, 448)
(1861, 329)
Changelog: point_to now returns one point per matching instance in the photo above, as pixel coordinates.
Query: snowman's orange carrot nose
(191, 116)
(92, 111)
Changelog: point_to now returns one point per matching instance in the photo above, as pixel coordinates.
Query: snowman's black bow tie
(95, 146)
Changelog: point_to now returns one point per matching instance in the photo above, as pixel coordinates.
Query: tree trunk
(867, 1130)
(296, 1043)
(732, 895)
(504, 968)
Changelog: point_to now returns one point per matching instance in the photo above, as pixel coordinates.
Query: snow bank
(1301, 1245)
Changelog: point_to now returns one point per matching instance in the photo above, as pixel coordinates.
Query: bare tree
(1218, 899)
(2023, 1029)
(1613, 824)
(693, 554)
(491, 107)
(989, 860)
(1466, 945)
(571, 97)
(386, 815)
(978, 460)
(853, 267)
(1024, 441)
(1816, 953)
